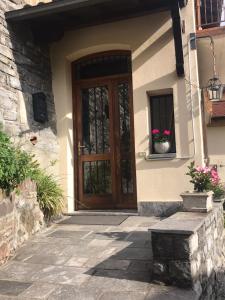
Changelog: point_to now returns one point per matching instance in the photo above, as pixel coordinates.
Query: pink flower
(155, 131)
(215, 177)
(204, 170)
(166, 132)
(199, 169)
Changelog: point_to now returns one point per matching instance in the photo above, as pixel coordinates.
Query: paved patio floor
(70, 262)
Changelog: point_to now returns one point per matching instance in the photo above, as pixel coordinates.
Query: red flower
(155, 131)
(166, 132)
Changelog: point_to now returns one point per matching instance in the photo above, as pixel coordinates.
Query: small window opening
(162, 118)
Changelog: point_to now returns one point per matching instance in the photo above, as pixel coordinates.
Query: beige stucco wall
(215, 135)
(150, 40)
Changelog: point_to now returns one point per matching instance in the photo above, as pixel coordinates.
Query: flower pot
(221, 199)
(162, 148)
(197, 202)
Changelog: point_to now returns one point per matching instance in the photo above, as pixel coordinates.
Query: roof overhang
(48, 22)
(60, 9)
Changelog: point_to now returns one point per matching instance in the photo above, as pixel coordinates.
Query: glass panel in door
(95, 149)
(97, 177)
(95, 120)
(126, 170)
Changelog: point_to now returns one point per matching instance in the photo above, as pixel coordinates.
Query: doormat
(95, 220)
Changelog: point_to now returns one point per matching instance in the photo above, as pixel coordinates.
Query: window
(103, 65)
(162, 117)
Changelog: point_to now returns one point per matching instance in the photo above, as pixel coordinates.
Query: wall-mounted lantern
(215, 89)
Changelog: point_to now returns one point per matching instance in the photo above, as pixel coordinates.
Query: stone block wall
(25, 69)
(188, 252)
(20, 218)
(158, 209)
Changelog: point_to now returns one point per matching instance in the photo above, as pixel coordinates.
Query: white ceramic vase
(162, 148)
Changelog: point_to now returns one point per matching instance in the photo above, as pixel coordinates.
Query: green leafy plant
(49, 193)
(17, 165)
(218, 191)
(161, 136)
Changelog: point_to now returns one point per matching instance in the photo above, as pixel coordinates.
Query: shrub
(49, 193)
(218, 190)
(17, 165)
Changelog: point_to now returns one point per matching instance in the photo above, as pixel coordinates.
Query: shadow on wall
(182, 110)
(186, 107)
(150, 51)
(34, 76)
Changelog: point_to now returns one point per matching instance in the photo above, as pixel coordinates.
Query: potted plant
(219, 193)
(217, 187)
(161, 140)
(206, 184)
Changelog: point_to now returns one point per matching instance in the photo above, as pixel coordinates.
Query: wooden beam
(177, 33)
(183, 3)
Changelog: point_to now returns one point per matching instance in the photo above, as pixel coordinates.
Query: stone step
(103, 213)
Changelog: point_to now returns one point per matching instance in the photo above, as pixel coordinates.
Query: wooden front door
(104, 143)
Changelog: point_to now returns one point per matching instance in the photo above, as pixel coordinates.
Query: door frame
(76, 84)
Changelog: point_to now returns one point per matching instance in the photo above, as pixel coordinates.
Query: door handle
(80, 147)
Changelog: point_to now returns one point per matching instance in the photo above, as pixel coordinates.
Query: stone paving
(69, 262)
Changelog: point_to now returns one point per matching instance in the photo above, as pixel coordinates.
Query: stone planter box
(197, 202)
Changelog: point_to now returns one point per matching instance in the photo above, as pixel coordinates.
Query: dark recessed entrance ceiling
(48, 22)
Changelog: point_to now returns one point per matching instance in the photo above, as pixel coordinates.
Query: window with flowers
(162, 122)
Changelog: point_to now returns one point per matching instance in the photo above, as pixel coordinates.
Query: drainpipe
(192, 107)
(192, 41)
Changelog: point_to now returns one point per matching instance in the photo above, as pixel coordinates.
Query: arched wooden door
(104, 132)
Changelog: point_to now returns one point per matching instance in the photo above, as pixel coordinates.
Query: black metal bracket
(193, 42)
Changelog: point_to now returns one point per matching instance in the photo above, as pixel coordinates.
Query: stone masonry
(25, 69)
(188, 252)
(20, 217)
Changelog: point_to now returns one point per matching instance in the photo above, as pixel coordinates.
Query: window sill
(166, 156)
